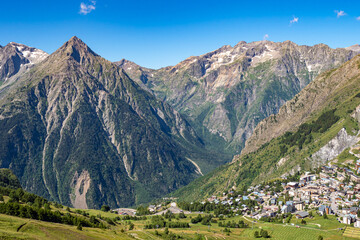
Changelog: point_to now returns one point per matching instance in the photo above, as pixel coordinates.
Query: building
(302, 214)
(346, 219)
(357, 224)
(299, 205)
(286, 209)
(325, 209)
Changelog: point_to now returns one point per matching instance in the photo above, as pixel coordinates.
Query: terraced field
(352, 232)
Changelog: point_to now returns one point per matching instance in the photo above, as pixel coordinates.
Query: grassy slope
(42, 230)
(34, 229)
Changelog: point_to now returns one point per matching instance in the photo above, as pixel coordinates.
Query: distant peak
(289, 42)
(355, 48)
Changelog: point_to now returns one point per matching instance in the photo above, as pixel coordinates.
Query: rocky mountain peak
(75, 49)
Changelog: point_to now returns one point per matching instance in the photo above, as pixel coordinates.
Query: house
(299, 205)
(325, 209)
(308, 178)
(345, 210)
(152, 208)
(354, 178)
(286, 209)
(346, 219)
(324, 175)
(354, 210)
(273, 201)
(302, 214)
(357, 224)
(292, 185)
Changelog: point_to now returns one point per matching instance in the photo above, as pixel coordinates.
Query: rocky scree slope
(76, 129)
(230, 90)
(314, 127)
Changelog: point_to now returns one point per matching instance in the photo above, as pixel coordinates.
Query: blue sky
(161, 33)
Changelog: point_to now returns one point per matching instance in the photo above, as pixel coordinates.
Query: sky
(156, 33)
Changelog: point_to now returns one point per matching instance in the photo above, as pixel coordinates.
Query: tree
(325, 215)
(131, 226)
(166, 231)
(320, 237)
(105, 208)
(256, 234)
(264, 233)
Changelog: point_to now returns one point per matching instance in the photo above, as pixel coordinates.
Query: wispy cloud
(340, 13)
(358, 18)
(294, 20)
(266, 36)
(87, 8)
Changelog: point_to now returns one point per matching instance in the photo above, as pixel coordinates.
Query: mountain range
(230, 90)
(83, 131)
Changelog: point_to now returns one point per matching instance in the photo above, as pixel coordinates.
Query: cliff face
(230, 90)
(76, 129)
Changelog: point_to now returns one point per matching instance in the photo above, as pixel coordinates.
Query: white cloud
(87, 8)
(266, 36)
(340, 13)
(294, 20)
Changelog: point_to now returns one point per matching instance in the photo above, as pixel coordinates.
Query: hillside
(77, 130)
(227, 92)
(314, 127)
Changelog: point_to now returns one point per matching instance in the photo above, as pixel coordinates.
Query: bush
(79, 227)
(131, 226)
